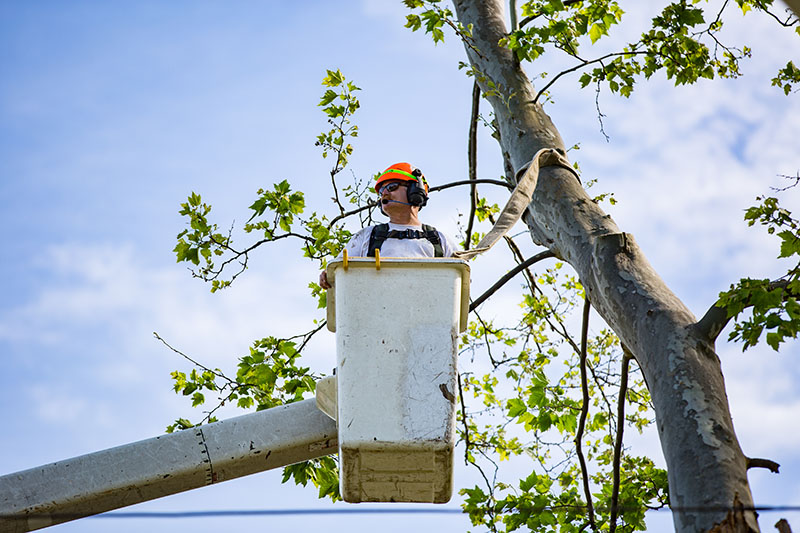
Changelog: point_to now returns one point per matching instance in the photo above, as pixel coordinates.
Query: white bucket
(397, 323)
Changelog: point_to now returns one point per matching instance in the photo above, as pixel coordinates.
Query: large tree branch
(716, 318)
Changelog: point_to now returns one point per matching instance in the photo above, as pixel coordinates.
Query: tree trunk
(706, 466)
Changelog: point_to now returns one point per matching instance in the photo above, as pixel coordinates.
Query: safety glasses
(390, 187)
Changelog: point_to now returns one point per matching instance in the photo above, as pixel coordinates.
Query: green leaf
(790, 244)
(413, 22)
(792, 309)
(328, 97)
(197, 399)
(515, 407)
(774, 340)
(596, 31)
(333, 79)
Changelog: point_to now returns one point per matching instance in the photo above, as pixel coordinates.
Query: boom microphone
(386, 201)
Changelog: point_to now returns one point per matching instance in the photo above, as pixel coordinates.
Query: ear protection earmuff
(415, 192)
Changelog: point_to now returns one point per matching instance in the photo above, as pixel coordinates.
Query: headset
(415, 192)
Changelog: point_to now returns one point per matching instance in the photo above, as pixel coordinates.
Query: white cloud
(95, 315)
(112, 285)
(57, 407)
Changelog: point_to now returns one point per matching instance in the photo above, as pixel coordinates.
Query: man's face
(394, 191)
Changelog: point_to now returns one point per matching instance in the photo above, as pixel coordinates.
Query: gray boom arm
(164, 465)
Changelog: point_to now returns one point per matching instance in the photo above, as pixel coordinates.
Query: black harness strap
(381, 232)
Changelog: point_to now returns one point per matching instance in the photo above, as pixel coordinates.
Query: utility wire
(229, 512)
(374, 510)
(288, 512)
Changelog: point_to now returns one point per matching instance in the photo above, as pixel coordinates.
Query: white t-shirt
(359, 244)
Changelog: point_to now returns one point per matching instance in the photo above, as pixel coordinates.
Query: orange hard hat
(400, 171)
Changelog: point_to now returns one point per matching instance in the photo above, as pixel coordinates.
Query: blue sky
(111, 114)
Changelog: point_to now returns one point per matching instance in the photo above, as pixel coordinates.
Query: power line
(712, 509)
(230, 513)
(353, 511)
(287, 512)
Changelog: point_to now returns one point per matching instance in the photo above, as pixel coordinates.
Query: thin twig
(796, 180)
(587, 306)
(195, 363)
(208, 275)
(486, 331)
(307, 336)
(467, 442)
(584, 63)
(600, 114)
(562, 331)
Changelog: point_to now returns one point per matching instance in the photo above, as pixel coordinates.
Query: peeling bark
(734, 522)
(706, 466)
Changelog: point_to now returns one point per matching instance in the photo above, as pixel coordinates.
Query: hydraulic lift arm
(167, 464)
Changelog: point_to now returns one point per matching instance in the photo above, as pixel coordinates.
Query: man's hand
(323, 280)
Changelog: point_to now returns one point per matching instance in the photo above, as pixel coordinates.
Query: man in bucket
(403, 191)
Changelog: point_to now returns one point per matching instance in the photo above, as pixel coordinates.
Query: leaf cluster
(275, 215)
(282, 203)
(787, 77)
(562, 25)
(339, 103)
(323, 473)
(267, 377)
(201, 240)
(529, 405)
(684, 41)
(773, 305)
(434, 17)
(681, 42)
